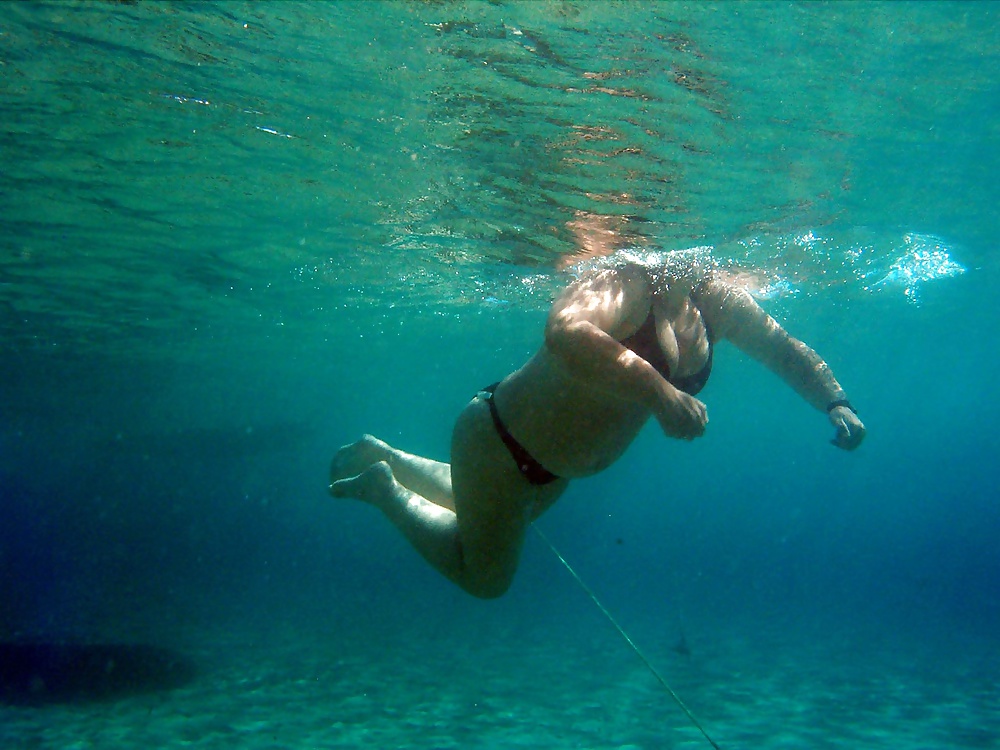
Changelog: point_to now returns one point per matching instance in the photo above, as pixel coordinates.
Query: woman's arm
(734, 315)
(583, 332)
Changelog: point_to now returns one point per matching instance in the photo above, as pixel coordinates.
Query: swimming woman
(622, 343)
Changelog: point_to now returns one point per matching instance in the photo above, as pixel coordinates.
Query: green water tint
(170, 168)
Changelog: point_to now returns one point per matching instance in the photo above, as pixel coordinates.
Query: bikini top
(645, 343)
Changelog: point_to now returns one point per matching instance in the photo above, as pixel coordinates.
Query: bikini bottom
(533, 471)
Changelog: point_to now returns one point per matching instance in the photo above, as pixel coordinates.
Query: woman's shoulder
(612, 298)
(718, 289)
(724, 304)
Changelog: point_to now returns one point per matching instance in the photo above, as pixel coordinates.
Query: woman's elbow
(564, 336)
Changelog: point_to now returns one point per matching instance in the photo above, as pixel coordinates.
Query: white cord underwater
(629, 641)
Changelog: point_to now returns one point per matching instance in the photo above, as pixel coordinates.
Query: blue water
(237, 236)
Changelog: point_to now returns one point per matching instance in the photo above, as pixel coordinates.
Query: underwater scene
(236, 236)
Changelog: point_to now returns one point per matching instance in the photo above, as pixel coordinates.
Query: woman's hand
(680, 415)
(850, 430)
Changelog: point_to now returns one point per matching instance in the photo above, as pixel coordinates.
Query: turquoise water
(236, 236)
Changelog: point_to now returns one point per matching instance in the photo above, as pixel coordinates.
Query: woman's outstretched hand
(850, 430)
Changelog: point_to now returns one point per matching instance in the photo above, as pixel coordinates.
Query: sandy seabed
(404, 688)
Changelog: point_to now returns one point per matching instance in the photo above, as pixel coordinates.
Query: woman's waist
(568, 428)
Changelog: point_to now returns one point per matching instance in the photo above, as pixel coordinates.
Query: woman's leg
(429, 527)
(478, 545)
(426, 477)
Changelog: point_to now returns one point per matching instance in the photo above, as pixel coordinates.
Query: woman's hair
(664, 268)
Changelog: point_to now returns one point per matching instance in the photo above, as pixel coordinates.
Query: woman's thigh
(494, 503)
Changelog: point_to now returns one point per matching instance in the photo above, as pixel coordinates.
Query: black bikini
(533, 471)
(643, 342)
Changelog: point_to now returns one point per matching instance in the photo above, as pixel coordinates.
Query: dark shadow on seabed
(44, 673)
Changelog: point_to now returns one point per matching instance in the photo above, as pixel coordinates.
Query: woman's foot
(372, 485)
(353, 459)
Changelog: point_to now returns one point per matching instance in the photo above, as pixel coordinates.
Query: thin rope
(629, 641)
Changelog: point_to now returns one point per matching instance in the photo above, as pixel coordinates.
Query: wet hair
(663, 267)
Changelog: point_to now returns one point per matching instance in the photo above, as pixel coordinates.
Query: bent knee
(488, 587)
(486, 582)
